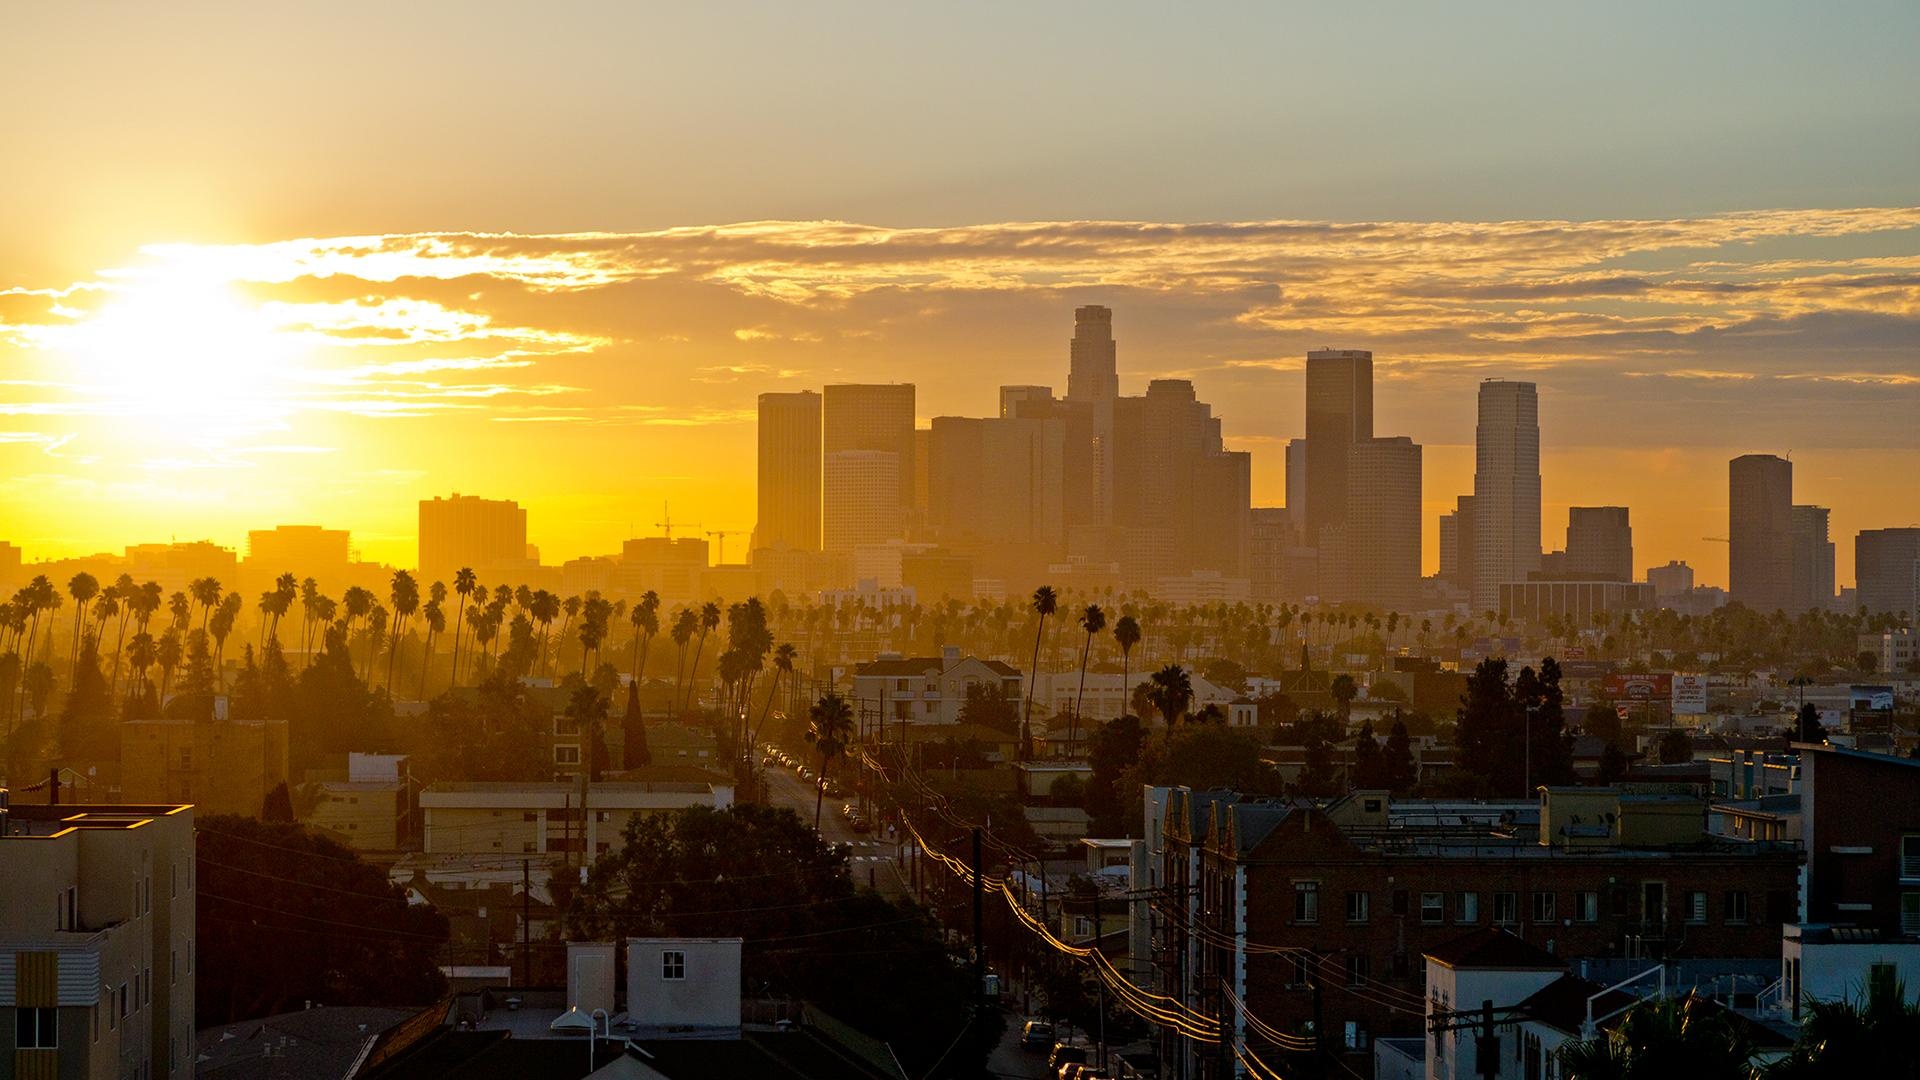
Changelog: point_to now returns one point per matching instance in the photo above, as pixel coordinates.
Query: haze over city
(1004, 541)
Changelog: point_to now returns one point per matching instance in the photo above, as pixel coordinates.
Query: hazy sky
(1690, 223)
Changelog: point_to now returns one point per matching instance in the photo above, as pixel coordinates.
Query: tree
(1663, 1037)
(1496, 719)
(86, 727)
(1807, 725)
(1344, 691)
(1675, 748)
(1092, 620)
(684, 625)
(1045, 601)
(494, 734)
(709, 621)
(1866, 662)
(633, 730)
(464, 583)
(1171, 693)
(829, 729)
(1369, 763)
(288, 916)
(645, 617)
(1601, 721)
(1126, 634)
(1397, 759)
(783, 658)
(406, 601)
(588, 712)
(988, 705)
(279, 805)
(1204, 756)
(1870, 1035)
(1112, 750)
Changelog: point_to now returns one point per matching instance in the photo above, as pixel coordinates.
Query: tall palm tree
(225, 614)
(167, 653)
(1869, 1036)
(645, 617)
(436, 619)
(141, 653)
(1092, 620)
(1126, 634)
(1045, 601)
(406, 601)
(709, 621)
(83, 587)
(206, 593)
(464, 583)
(543, 607)
(571, 607)
(783, 657)
(684, 625)
(830, 725)
(1171, 693)
(1666, 1037)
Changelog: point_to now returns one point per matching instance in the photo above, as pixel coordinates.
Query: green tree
(1344, 691)
(1674, 748)
(829, 728)
(988, 705)
(1092, 620)
(588, 712)
(1112, 750)
(1871, 1035)
(1663, 1038)
(286, 915)
(1171, 693)
(494, 733)
(1045, 602)
(633, 730)
(1369, 762)
(1397, 759)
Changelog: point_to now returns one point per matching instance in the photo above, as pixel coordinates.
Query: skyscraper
(1094, 374)
(1093, 384)
(1297, 485)
(1339, 414)
(1812, 575)
(1456, 544)
(1760, 531)
(1599, 543)
(1383, 522)
(1886, 565)
(789, 490)
(862, 506)
(487, 535)
(872, 416)
(1181, 497)
(1506, 489)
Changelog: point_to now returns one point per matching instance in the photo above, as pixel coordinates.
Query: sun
(184, 347)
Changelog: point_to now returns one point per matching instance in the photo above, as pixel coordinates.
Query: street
(872, 861)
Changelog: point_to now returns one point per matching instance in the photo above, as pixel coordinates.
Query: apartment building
(96, 941)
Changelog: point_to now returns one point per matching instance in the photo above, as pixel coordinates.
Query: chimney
(949, 655)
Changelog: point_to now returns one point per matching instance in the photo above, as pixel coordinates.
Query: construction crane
(666, 526)
(720, 549)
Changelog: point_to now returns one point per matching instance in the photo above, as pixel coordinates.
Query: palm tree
(830, 726)
(645, 617)
(167, 654)
(406, 601)
(83, 587)
(142, 652)
(684, 625)
(1664, 1037)
(206, 593)
(571, 606)
(1045, 601)
(226, 614)
(1171, 693)
(436, 619)
(543, 607)
(463, 583)
(782, 665)
(1343, 691)
(709, 621)
(1126, 634)
(1869, 1036)
(1092, 620)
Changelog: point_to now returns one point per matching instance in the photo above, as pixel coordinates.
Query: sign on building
(1648, 686)
(1689, 694)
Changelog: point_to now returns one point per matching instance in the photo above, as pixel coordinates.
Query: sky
(260, 266)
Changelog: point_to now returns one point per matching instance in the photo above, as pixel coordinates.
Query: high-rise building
(1297, 486)
(1670, 581)
(1599, 544)
(1383, 523)
(1339, 414)
(862, 504)
(873, 417)
(1178, 490)
(1094, 375)
(669, 566)
(1093, 385)
(305, 550)
(789, 488)
(10, 578)
(1812, 575)
(1886, 565)
(1456, 544)
(995, 484)
(487, 535)
(1506, 489)
(1760, 531)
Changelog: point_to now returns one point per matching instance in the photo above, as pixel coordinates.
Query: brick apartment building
(1861, 816)
(1325, 911)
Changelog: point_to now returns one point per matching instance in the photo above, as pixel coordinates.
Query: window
(1910, 913)
(1543, 907)
(1736, 906)
(1358, 905)
(1506, 908)
(1653, 901)
(1306, 901)
(566, 755)
(36, 1029)
(1696, 908)
(1298, 974)
(1910, 858)
(673, 964)
(1588, 907)
(1355, 1035)
(1359, 968)
(1433, 907)
(1466, 907)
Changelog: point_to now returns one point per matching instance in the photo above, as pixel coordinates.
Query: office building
(1456, 544)
(1536, 601)
(305, 550)
(1506, 489)
(789, 478)
(97, 974)
(1760, 531)
(995, 492)
(1339, 414)
(488, 536)
(876, 418)
(671, 567)
(862, 504)
(175, 566)
(1297, 485)
(1886, 566)
(1670, 581)
(1093, 385)
(1812, 575)
(1182, 500)
(1599, 544)
(1383, 523)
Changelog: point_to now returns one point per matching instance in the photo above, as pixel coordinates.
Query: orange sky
(199, 390)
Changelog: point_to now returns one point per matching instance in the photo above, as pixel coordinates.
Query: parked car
(1065, 1054)
(862, 825)
(1036, 1035)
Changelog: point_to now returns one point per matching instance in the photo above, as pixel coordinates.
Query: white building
(540, 817)
(1108, 697)
(928, 689)
(690, 986)
(1506, 489)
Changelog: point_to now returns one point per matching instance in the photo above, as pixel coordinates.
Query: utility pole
(1102, 1044)
(979, 944)
(1319, 1026)
(526, 922)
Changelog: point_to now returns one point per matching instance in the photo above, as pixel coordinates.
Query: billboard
(1647, 686)
(1870, 698)
(1689, 694)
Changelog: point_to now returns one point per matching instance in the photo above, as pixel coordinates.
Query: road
(873, 861)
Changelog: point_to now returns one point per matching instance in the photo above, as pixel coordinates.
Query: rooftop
(1493, 949)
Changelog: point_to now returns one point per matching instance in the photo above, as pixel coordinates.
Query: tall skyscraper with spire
(1093, 383)
(1506, 489)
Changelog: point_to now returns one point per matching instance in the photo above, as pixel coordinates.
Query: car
(1036, 1035)
(1065, 1054)
(862, 825)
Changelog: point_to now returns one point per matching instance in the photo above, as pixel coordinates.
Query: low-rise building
(221, 766)
(536, 817)
(97, 940)
(928, 689)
